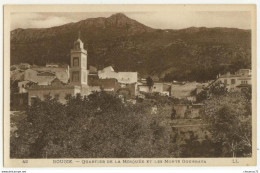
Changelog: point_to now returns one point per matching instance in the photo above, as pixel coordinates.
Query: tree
(43, 126)
(97, 126)
(150, 82)
(203, 95)
(216, 89)
(229, 121)
(173, 115)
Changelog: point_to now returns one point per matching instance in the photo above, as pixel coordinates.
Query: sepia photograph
(130, 85)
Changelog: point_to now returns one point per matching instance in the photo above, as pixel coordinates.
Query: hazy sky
(162, 20)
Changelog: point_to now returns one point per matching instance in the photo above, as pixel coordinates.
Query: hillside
(186, 54)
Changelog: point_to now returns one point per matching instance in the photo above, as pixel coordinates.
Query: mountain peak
(118, 15)
(120, 20)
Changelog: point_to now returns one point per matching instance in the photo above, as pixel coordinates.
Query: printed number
(25, 161)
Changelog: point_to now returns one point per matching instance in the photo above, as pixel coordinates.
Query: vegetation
(230, 123)
(99, 126)
(149, 82)
(216, 89)
(102, 126)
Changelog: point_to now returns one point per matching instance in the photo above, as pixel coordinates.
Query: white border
(150, 169)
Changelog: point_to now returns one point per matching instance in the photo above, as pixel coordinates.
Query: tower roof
(78, 44)
(78, 40)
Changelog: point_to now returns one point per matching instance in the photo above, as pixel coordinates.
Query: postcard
(129, 85)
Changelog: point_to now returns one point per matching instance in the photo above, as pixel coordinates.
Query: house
(183, 90)
(122, 77)
(96, 84)
(23, 85)
(126, 81)
(158, 87)
(162, 88)
(62, 73)
(128, 91)
(188, 111)
(43, 76)
(56, 89)
(143, 88)
(238, 81)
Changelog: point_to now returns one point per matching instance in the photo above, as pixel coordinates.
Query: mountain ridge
(131, 46)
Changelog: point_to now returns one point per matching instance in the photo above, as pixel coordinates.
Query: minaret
(78, 63)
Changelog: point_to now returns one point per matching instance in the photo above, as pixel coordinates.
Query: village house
(122, 77)
(238, 81)
(56, 90)
(128, 91)
(126, 81)
(143, 88)
(184, 90)
(162, 88)
(188, 111)
(42, 76)
(158, 87)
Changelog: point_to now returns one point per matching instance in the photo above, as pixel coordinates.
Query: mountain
(186, 54)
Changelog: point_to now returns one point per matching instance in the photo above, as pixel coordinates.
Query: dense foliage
(230, 122)
(102, 126)
(99, 126)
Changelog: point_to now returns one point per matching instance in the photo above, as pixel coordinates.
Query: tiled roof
(60, 73)
(40, 87)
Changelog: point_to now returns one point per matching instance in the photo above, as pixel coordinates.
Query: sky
(158, 20)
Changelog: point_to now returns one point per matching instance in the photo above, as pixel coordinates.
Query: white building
(162, 88)
(122, 77)
(241, 79)
(183, 90)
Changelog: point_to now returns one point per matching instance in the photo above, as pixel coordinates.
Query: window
(75, 76)
(76, 61)
(243, 82)
(225, 81)
(33, 99)
(233, 81)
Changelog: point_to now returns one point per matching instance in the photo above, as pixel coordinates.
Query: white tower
(78, 62)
